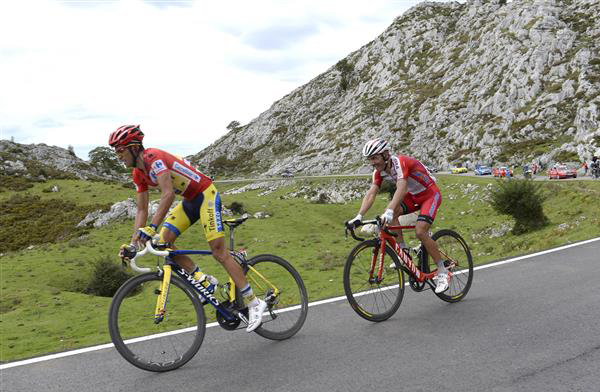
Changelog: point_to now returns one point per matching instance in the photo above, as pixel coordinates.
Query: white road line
(321, 302)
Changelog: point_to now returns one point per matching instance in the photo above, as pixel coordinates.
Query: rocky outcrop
(481, 81)
(40, 162)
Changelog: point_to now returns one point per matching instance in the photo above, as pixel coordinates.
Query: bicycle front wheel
(454, 249)
(287, 308)
(371, 299)
(156, 347)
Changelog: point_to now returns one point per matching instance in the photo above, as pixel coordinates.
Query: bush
(47, 220)
(106, 278)
(236, 208)
(521, 199)
(15, 183)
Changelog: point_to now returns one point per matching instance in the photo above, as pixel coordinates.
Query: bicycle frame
(171, 266)
(406, 259)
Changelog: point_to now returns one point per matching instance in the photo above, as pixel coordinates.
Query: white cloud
(72, 71)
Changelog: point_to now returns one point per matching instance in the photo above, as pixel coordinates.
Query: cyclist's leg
(407, 206)
(429, 203)
(210, 213)
(176, 223)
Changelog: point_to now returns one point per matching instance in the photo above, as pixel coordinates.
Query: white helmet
(375, 146)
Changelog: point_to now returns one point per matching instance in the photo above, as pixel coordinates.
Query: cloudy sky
(73, 71)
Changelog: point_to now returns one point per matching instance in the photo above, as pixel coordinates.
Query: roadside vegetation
(46, 301)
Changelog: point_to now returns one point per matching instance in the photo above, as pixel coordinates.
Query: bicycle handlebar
(149, 248)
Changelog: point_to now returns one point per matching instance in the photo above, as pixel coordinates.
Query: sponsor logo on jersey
(211, 219)
(158, 166)
(186, 171)
(219, 217)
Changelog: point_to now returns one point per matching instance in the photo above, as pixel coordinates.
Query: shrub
(236, 208)
(14, 183)
(106, 278)
(47, 220)
(521, 199)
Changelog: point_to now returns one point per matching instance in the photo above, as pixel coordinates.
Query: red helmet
(126, 135)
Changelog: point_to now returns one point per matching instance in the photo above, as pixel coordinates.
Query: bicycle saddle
(231, 223)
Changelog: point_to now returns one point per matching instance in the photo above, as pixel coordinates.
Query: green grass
(41, 310)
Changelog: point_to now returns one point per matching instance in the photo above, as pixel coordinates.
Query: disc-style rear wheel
(459, 262)
(287, 306)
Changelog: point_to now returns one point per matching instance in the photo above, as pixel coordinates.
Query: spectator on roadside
(585, 168)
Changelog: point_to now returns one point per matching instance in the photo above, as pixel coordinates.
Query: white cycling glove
(387, 216)
(355, 221)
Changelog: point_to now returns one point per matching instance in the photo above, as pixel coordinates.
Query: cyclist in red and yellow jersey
(415, 191)
(154, 168)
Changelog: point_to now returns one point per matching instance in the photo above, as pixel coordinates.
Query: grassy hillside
(42, 309)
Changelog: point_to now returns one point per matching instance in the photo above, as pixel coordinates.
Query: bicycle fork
(161, 301)
(377, 277)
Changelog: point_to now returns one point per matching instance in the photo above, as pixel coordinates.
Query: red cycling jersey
(402, 166)
(187, 181)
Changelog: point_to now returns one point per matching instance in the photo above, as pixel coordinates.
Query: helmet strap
(386, 160)
(135, 154)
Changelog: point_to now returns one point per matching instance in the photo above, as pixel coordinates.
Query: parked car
(501, 171)
(483, 170)
(458, 170)
(287, 173)
(561, 171)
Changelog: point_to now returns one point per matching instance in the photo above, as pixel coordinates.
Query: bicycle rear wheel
(286, 311)
(454, 248)
(374, 301)
(156, 347)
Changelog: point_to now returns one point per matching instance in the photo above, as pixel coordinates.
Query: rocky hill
(449, 83)
(39, 162)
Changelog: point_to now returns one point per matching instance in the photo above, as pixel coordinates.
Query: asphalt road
(528, 325)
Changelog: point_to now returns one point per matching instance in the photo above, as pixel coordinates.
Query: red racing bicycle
(375, 288)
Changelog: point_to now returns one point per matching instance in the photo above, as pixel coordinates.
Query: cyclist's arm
(369, 199)
(401, 189)
(167, 195)
(141, 215)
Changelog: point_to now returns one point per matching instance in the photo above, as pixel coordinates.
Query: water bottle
(208, 281)
(370, 229)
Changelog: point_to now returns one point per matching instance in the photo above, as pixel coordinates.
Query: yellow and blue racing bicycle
(157, 320)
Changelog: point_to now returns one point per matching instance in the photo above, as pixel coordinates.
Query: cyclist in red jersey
(416, 190)
(201, 201)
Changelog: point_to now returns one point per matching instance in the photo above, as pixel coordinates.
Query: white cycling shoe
(255, 315)
(441, 283)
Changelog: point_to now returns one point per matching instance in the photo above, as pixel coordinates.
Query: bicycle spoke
(372, 300)
(150, 346)
(453, 248)
(289, 307)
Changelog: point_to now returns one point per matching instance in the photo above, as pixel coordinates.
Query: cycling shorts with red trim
(427, 203)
